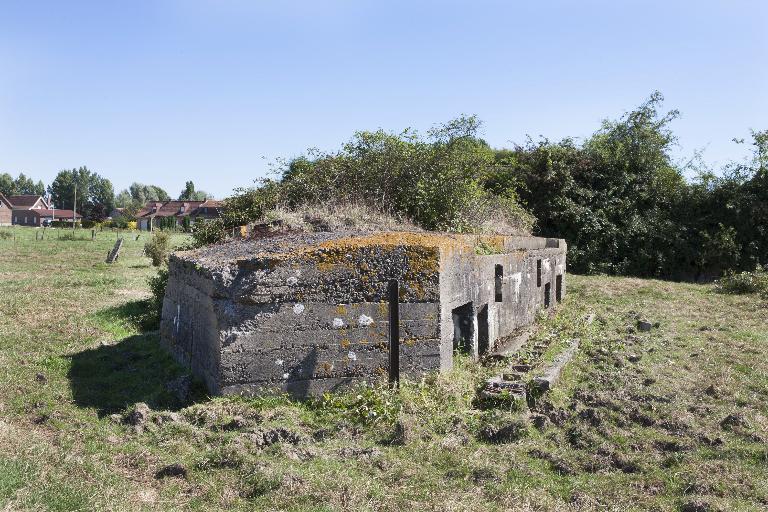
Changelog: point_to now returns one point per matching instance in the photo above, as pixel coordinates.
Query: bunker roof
(320, 245)
(293, 245)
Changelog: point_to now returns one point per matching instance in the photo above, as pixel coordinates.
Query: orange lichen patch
(495, 242)
(345, 343)
(326, 267)
(409, 341)
(397, 238)
(341, 309)
(422, 260)
(415, 288)
(330, 254)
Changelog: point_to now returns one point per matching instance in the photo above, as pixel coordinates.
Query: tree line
(96, 197)
(618, 197)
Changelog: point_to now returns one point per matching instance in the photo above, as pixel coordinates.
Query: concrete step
(550, 373)
(512, 344)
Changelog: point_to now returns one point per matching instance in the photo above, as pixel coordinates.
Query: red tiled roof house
(24, 208)
(164, 213)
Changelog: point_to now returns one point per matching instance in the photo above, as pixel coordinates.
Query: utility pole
(74, 211)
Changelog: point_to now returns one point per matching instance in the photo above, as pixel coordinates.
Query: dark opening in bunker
(538, 272)
(547, 291)
(499, 280)
(559, 288)
(463, 328)
(482, 330)
(393, 291)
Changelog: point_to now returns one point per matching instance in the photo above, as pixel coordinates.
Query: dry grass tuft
(336, 217)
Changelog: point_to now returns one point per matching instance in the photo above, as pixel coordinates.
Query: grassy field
(673, 419)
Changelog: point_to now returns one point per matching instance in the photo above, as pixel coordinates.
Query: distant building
(174, 212)
(6, 211)
(41, 216)
(28, 202)
(24, 208)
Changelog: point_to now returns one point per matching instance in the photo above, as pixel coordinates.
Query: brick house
(39, 216)
(157, 213)
(6, 211)
(24, 205)
(28, 202)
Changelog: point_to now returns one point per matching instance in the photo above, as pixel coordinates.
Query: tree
(189, 193)
(612, 197)
(141, 193)
(7, 184)
(21, 185)
(123, 199)
(25, 185)
(95, 195)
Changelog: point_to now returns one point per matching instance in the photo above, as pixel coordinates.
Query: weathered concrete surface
(307, 313)
(551, 373)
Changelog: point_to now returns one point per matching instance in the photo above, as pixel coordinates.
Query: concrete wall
(303, 325)
(470, 280)
(313, 319)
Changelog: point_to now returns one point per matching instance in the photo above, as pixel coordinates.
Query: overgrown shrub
(433, 180)
(209, 232)
(335, 217)
(619, 198)
(157, 284)
(158, 247)
(744, 282)
(117, 222)
(624, 206)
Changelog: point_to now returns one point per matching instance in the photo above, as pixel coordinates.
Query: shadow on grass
(112, 377)
(140, 315)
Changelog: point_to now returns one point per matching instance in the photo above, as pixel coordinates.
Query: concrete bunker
(305, 313)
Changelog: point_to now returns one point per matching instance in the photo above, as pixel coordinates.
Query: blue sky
(213, 90)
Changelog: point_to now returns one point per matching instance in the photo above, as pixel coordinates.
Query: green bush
(435, 181)
(370, 405)
(157, 284)
(158, 247)
(619, 198)
(209, 232)
(63, 224)
(5, 235)
(624, 206)
(744, 282)
(117, 222)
